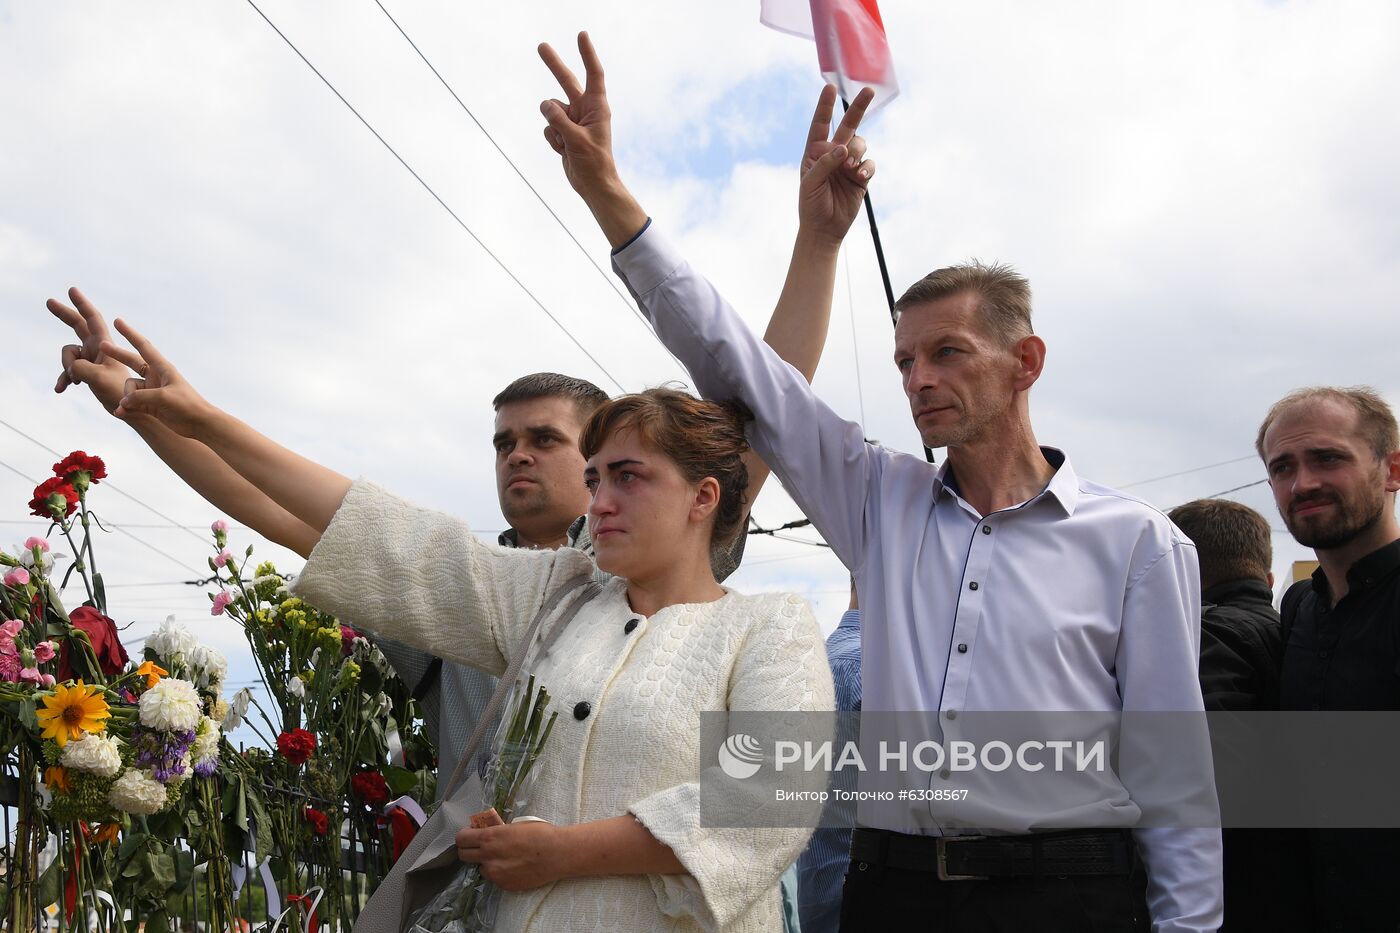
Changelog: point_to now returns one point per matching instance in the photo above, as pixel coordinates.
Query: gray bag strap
(574, 585)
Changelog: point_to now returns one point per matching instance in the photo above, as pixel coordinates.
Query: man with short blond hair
(1333, 462)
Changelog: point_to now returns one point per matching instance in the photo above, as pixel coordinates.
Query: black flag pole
(884, 269)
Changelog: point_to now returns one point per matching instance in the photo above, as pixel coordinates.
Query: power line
(610, 280)
(1208, 466)
(428, 188)
(1216, 495)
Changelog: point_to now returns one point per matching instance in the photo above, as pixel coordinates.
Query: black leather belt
(979, 858)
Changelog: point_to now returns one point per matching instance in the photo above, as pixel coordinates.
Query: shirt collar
(850, 621)
(1063, 486)
(1366, 572)
(578, 532)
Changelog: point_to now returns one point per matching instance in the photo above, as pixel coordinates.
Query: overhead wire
(610, 280)
(428, 188)
(1208, 466)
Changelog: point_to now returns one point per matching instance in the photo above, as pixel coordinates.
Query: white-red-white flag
(852, 50)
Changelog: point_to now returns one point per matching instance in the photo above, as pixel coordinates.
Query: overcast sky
(1202, 194)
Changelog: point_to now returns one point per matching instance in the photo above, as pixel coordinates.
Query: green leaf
(51, 883)
(400, 780)
(158, 921)
(183, 866)
(56, 604)
(262, 827)
(100, 592)
(27, 717)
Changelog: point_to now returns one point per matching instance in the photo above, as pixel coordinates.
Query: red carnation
(54, 498)
(81, 470)
(347, 639)
(106, 644)
(296, 746)
(320, 823)
(371, 788)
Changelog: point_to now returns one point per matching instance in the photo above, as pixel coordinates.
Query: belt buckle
(941, 849)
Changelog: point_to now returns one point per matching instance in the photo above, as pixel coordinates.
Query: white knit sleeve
(422, 578)
(781, 665)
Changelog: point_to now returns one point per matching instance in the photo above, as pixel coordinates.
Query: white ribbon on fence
(408, 805)
(310, 913)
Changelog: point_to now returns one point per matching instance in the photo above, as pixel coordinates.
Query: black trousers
(882, 900)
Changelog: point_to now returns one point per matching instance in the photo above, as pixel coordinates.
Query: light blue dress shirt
(1080, 599)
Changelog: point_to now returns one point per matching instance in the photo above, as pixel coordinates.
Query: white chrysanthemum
(93, 753)
(208, 664)
(172, 642)
(219, 710)
(237, 710)
(171, 706)
(137, 792)
(206, 742)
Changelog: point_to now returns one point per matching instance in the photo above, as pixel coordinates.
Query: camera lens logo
(740, 756)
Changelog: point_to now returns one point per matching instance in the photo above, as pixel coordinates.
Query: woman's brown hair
(703, 438)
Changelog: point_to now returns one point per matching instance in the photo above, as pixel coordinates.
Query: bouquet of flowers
(102, 746)
(342, 734)
(469, 903)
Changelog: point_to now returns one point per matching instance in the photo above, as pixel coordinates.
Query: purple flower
(162, 752)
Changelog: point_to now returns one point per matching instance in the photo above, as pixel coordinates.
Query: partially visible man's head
(539, 470)
(960, 345)
(1333, 461)
(1233, 542)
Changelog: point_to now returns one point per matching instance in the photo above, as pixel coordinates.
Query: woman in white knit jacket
(623, 847)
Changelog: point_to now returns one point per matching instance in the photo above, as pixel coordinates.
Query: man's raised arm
(200, 467)
(811, 448)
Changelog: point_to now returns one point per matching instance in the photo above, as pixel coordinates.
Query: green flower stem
(66, 528)
(87, 544)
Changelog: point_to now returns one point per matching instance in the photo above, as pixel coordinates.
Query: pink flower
(47, 680)
(221, 602)
(10, 629)
(45, 651)
(17, 577)
(219, 527)
(31, 675)
(222, 558)
(9, 667)
(36, 542)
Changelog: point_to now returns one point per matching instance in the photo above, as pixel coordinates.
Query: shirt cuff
(633, 238)
(646, 260)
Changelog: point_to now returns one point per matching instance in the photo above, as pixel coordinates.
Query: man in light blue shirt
(999, 581)
(822, 866)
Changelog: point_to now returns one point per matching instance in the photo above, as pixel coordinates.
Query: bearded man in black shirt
(1333, 461)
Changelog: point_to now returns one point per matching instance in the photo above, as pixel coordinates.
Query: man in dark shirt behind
(1333, 461)
(1240, 644)
(1241, 650)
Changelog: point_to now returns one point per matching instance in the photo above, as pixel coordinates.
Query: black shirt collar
(1374, 568)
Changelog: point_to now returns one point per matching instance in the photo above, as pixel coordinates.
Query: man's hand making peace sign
(834, 171)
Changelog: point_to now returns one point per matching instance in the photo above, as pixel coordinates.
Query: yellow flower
(108, 833)
(56, 779)
(71, 711)
(153, 672)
